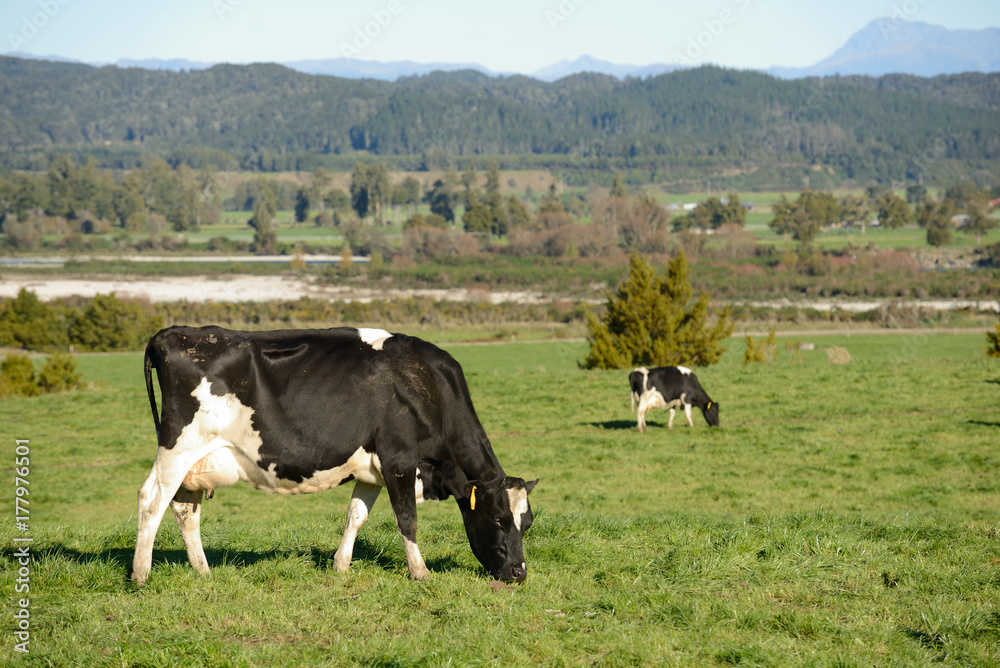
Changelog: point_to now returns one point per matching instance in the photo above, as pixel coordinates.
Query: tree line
(685, 124)
(962, 206)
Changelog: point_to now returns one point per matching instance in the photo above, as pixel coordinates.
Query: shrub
(107, 323)
(29, 323)
(17, 377)
(648, 322)
(993, 342)
(763, 352)
(59, 374)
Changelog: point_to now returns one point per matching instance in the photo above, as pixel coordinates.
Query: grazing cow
(670, 387)
(301, 411)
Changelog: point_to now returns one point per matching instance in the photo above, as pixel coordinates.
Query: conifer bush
(650, 321)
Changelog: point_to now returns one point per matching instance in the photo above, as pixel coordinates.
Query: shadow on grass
(619, 424)
(121, 558)
(982, 423)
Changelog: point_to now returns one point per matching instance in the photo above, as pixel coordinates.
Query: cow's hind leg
(187, 509)
(643, 407)
(362, 499)
(154, 497)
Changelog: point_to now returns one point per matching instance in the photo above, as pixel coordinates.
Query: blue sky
(511, 36)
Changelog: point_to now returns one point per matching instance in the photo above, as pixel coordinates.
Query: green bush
(764, 351)
(993, 342)
(59, 374)
(107, 324)
(29, 323)
(17, 377)
(648, 322)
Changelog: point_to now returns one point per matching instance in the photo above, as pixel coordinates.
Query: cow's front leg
(404, 505)
(687, 414)
(187, 510)
(362, 499)
(670, 421)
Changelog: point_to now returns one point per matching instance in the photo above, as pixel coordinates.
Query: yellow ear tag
(472, 498)
(709, 406)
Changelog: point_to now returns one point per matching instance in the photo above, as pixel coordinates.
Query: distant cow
(301, 411)
(670, 387)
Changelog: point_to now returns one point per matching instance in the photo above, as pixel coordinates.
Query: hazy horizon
(518, 37)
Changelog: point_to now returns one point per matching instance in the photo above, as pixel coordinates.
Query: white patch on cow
(684, 370)
(227, 448)
(418, 491)
(518, 505)
(373, 337)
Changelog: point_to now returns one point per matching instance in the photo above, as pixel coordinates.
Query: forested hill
(687, 124)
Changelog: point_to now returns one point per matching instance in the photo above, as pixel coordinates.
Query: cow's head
(496, 515)
(712, 414)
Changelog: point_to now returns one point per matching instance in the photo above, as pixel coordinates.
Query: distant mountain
(172, 64)
(351, 68)
(884, 46)
(887, 46)
(565, 68)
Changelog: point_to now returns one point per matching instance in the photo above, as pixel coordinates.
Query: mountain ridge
(884, 46)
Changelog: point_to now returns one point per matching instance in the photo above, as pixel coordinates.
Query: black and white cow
(670, 387)
(301, 411)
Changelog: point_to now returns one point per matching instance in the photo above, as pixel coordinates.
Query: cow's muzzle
(515, 573)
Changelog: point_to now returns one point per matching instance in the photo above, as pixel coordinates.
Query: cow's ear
(473, 493)
(528, 486)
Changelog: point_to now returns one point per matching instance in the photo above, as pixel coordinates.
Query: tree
(791, 218)
(855, 211)
(648, 321)
(301, 205)
(477, 216)
(806, 216)
(359, 190)
(936, 217)
(893, 211)
(493, 201)
(469, 179)
(265, 239)
(618, 190)
(713, 213)
(371, 190)
(641, 222)
(321, 180)
(550, 202)
(915, 193)
(440, 199)
(517, 214)
(977, 209)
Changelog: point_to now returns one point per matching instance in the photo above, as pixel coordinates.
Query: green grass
(841, 515)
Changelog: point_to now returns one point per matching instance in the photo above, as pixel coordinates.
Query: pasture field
(842, 515)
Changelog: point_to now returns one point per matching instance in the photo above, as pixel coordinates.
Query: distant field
(841, 515)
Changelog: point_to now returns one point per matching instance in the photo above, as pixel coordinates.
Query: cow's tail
(149, 390)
